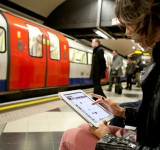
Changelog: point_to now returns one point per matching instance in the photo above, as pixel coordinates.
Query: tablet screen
(84, 103)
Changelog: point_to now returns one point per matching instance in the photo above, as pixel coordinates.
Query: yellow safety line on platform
(21, 104)
(28, 103)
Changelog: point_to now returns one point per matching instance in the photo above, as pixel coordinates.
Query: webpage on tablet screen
(81, 101)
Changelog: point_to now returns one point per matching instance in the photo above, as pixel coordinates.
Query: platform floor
(43, 131)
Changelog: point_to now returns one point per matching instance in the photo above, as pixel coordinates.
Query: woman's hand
(101, 131)
(110, 105)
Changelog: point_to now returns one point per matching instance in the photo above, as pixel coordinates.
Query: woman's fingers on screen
(96, 96)
(98, 102)
(108, 104)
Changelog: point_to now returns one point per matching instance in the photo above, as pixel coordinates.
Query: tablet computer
(82, 104)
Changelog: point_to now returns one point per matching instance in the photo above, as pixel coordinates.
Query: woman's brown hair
(141, 15)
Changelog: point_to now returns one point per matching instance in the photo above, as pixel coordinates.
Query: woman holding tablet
(142, 21)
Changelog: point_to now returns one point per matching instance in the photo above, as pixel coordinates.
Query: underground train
(35, 57)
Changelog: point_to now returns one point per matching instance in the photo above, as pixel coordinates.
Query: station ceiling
(41, 7)
(43, 11)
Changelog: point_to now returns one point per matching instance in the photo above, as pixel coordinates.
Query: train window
(54, 46)
(35, 41)
(89, 58)
(78, 56)
(2, 40)
(108, 58)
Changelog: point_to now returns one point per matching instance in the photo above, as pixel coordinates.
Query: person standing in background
(130, 71)
(98, 67)
(116, 69)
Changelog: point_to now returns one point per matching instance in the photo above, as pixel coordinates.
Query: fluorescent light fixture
(132, 41)
(144, 62)
(146, 57)
(133, 47)
(115, 21)
(141, 48)
(101, 34)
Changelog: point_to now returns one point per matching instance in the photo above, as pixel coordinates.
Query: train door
(27, 61)
(57, 60)
(3, 53)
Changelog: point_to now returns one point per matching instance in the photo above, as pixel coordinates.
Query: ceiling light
(133, 47)
(115, 21)
(101, 34)
(141, 48)
(132, 41)
(143, 62)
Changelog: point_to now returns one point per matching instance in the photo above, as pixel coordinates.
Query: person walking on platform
(116, 69)
(98, 67)
(130, 72)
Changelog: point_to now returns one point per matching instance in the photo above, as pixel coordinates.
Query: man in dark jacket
(98, 67)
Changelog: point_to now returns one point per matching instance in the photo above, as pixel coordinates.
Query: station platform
(41, 126)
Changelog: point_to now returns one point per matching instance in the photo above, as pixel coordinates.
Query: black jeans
(97, 87)
(111, 81)
(129, 81)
